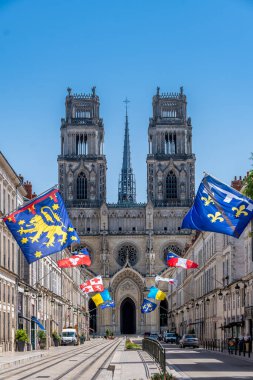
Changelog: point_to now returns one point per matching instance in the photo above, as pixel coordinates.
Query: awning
(232, 324)
(22, 317)
(195, 323)
(35, 320)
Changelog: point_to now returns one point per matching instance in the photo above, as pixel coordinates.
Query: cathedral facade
(128, 241)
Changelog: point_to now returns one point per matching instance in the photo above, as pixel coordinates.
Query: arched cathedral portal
(128, 316)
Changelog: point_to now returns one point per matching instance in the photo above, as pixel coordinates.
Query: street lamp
(207, 301)
(220, 295)
(197, 305)
(237, 289)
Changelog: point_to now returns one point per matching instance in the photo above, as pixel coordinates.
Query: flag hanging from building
(148, 306)
(93, 285)
(107, 304)
(219, 208)
(171, 281)
(156, 293)
(174, 260)
(102, 297)
(79, 258)
(42, 227)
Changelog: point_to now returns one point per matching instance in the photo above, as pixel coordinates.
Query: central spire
(127, 192)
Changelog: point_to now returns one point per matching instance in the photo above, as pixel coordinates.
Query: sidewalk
(9, 359)
(129, 365)
(241, 357)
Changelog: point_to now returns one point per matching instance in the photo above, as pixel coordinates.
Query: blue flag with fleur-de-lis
(148, 306)
(42, 227)
(219, 208)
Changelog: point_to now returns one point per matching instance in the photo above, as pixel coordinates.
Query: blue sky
(126, 48)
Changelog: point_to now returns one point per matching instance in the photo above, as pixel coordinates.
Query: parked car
(154, 336)
(170, 338)
(189, 340)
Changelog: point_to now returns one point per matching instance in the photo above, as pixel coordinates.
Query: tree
(248, 183)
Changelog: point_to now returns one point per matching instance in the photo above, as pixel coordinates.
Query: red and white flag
(82, 258)
(93, 285)
(171, 281)
(174, 260)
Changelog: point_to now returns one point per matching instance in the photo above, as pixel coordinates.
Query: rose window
(127, 252)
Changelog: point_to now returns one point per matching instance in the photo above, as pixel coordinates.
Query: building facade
(128, 240)
(40, 290)
(50, 294)
(216, 300)
(11, 196)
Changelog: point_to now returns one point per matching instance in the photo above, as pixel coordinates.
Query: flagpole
(28, 202)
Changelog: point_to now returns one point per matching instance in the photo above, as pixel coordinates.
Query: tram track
(15, 372)
(105, 363)
(92, 364)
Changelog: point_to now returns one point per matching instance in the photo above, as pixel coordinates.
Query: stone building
(128, 240)
(11, 196)
(50, 294)
(215, 300)
(40, 290)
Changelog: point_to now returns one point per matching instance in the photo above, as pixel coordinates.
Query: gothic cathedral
(127, 240)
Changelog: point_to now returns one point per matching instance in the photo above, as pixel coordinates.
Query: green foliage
(56, 336)
(248, 185)
(131, 346)
(42, 335)
(162, 376)
(108, 334)
(21, 335)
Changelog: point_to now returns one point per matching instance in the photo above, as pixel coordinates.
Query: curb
(17, 361)
(176, 372)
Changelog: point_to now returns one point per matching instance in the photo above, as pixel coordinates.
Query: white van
(69, 336)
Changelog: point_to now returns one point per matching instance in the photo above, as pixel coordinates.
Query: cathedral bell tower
(82, 164)
(170, 162)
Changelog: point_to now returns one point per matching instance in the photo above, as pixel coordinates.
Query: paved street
(201, 364)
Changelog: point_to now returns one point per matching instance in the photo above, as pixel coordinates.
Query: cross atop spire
(126, 101)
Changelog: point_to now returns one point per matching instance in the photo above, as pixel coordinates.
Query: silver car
(189, 340)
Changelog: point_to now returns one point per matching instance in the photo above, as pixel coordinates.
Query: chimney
(28, 187)
(237, 183)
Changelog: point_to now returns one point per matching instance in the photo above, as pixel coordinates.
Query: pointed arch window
(81, 186)
(171, 186)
